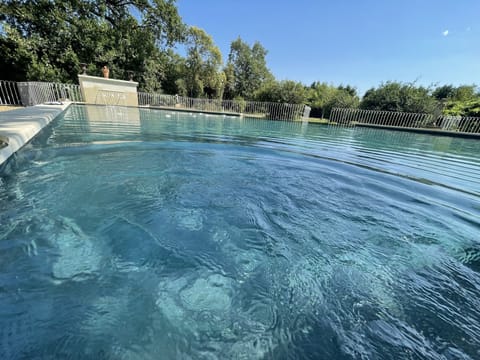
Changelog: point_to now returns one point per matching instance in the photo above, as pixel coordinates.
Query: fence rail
(276, 111)
(34, 93)
(352, 117)
(9, 93)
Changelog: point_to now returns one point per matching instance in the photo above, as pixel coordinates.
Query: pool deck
(19, 126)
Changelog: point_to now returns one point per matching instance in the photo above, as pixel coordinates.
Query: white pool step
(18, 127)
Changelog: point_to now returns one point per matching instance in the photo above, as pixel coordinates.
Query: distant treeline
(49, 40)
(394, 96)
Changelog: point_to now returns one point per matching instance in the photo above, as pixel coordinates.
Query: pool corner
(18, 127)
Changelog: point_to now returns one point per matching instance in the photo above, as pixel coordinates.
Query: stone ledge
(18, 127)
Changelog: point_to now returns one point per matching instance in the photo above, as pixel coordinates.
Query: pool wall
(18, 127)
(104, 91)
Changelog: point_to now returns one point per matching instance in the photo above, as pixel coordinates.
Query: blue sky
(357, 42)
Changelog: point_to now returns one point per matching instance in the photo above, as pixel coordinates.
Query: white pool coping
(19, 126)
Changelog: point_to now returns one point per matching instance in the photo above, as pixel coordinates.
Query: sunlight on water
(130, 233)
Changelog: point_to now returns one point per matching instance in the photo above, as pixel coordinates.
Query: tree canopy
(47, 40)
(246, 70)
(202, 75)
(462, 100)
(286, 91)
(323, 97)
(394, 96)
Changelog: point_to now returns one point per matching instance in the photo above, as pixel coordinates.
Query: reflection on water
(130, 233)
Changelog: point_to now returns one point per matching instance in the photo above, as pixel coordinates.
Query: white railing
(466, 124)
(276, 111)
(352, 117)
(34, 93)
(9, 93)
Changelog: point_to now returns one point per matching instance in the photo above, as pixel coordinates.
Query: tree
(463, 108)
(229, 89)
(322, 98)
(465, 93)
(286, 91)
(463, 100)
(444, 92)
(172, 82)
(319, 95)
(342, 98)
(394, 96)
(46, 40)
(246, 70)
(350, 90)
(203, 76)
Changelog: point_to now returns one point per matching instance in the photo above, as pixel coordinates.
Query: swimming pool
(137, 233)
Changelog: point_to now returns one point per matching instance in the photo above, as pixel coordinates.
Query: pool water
(147, 234)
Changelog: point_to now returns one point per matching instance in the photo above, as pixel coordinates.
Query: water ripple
(129, 233)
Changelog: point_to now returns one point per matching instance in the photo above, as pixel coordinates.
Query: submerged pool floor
(146, 234)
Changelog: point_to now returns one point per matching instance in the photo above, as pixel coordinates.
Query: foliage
(395, 96)
(203, 76)
(350, 90)
(322, 98)
(246, 70)
(47, 40)
(460, 93)
(319, 95)
(174, 70)
(463, 100)
(463, 108)
(229, 91)
(444, 92)
(286, 91)
(240, 103)
(465, 93)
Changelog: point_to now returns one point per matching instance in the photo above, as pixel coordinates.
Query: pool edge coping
(19, 126)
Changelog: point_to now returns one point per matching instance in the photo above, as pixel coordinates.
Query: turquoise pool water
(145, 234)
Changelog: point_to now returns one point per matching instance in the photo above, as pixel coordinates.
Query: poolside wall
(103, 91)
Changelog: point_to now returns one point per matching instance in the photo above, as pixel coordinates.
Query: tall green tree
(174, 69)
(246, 70)
(203, 75)
(46, 40)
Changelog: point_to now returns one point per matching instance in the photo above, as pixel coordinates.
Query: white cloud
(445, 33)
